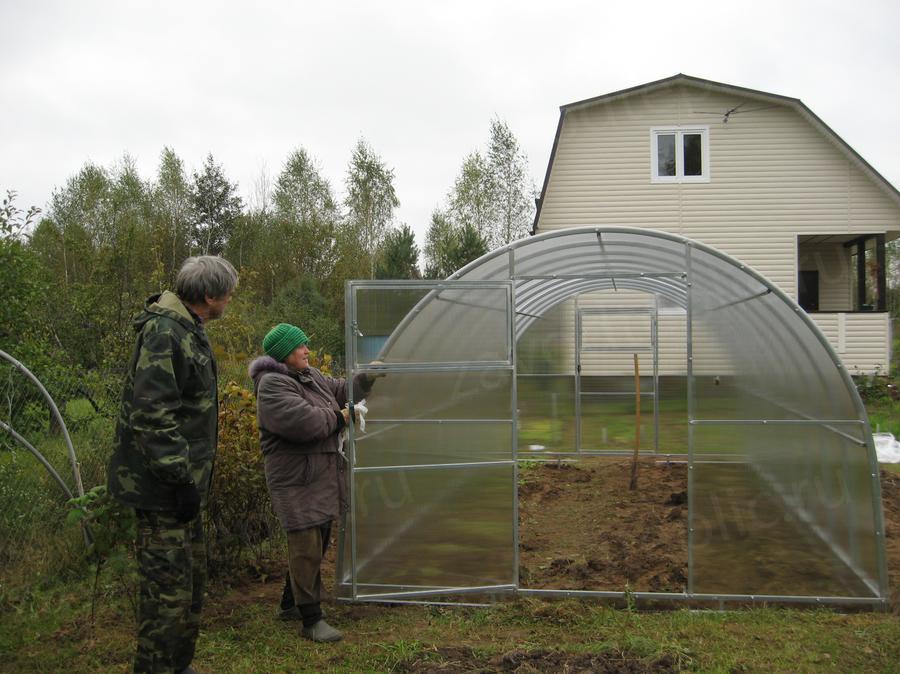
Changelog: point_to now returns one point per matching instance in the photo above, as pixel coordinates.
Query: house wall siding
(774, 176)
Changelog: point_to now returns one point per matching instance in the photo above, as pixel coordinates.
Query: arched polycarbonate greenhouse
(549, 347)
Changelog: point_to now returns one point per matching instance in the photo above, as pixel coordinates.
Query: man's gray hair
(205, 276)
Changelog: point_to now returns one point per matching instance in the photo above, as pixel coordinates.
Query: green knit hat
(281, 340)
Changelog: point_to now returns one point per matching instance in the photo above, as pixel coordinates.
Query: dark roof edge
(885, 184)
(674, 79)
(540, 201)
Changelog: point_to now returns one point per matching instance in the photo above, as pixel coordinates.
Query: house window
(679, 154)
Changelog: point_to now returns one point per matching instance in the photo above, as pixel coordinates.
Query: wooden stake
(637, 423)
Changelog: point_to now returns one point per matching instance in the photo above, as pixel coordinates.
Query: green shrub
(112, 531)
(240, 515)
(873, 387)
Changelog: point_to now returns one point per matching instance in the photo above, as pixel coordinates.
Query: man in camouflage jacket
(163, 460)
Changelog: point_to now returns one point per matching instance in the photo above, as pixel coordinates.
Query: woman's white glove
(359, 414)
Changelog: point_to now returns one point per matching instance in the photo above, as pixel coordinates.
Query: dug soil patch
(581, 528)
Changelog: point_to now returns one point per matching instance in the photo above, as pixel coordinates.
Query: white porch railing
(861, 339)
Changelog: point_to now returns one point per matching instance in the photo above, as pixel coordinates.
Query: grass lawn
(50, 631)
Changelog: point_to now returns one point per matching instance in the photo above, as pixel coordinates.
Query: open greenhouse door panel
(433, 474)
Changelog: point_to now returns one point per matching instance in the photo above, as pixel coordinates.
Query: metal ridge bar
(552, 277)
(437, 421)
(545, 374)
(426, 284)
(858, 441)
(617, 393)
(428, 466)
(440, 591)
(826, 424)
(472, 366)
(750, 422)
(388, 600)
(618, 311)
(762, 293)
(617, 349)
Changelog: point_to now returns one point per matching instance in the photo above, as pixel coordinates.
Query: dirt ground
(890, 500)
(580, 527)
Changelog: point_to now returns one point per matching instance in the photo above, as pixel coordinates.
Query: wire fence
(36, 472)
(37, 478)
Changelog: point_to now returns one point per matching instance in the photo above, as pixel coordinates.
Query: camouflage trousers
(172, 567)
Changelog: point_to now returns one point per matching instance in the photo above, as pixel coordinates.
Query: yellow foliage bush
(240, 517)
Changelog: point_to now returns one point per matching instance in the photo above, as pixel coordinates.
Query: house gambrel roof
(719, 87)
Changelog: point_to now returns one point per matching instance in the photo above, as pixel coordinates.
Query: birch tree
(301, 236)
(472, 202)
(512, 192)
(371, 199)
(171, 202)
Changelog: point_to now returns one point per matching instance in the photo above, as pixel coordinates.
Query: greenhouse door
(612, 346)
(433, 471)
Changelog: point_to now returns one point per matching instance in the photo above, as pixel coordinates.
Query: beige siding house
(757, 175)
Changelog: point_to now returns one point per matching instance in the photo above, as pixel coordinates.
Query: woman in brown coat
(301, 414)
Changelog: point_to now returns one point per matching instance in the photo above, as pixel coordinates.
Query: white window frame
(679, 132)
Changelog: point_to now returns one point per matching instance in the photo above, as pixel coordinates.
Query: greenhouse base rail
(420, 597)
(703, 597)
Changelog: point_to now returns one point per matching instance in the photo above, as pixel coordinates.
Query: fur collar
(264, 364)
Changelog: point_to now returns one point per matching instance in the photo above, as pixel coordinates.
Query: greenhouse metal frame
(773, 419)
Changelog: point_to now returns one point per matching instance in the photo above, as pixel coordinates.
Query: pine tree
(399, 255)
(217, 207)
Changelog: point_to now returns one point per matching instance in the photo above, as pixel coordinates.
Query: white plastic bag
(887, 448)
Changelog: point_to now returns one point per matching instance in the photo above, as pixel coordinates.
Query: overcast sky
(420, 81)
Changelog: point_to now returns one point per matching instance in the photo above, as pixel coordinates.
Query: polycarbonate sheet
(448, 394)
(473, 322)
(544, 348)
(616, 253)
(777, 366)
(610, 423)
(426, 443)
(782, 509)
(434, 528)
(546, 413)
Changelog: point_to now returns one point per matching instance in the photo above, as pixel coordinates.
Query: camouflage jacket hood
(169, 305)
(167, 426)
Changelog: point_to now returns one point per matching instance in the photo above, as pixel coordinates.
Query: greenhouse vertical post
(689, 308)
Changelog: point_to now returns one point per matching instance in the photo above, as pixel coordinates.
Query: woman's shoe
(322, 632)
